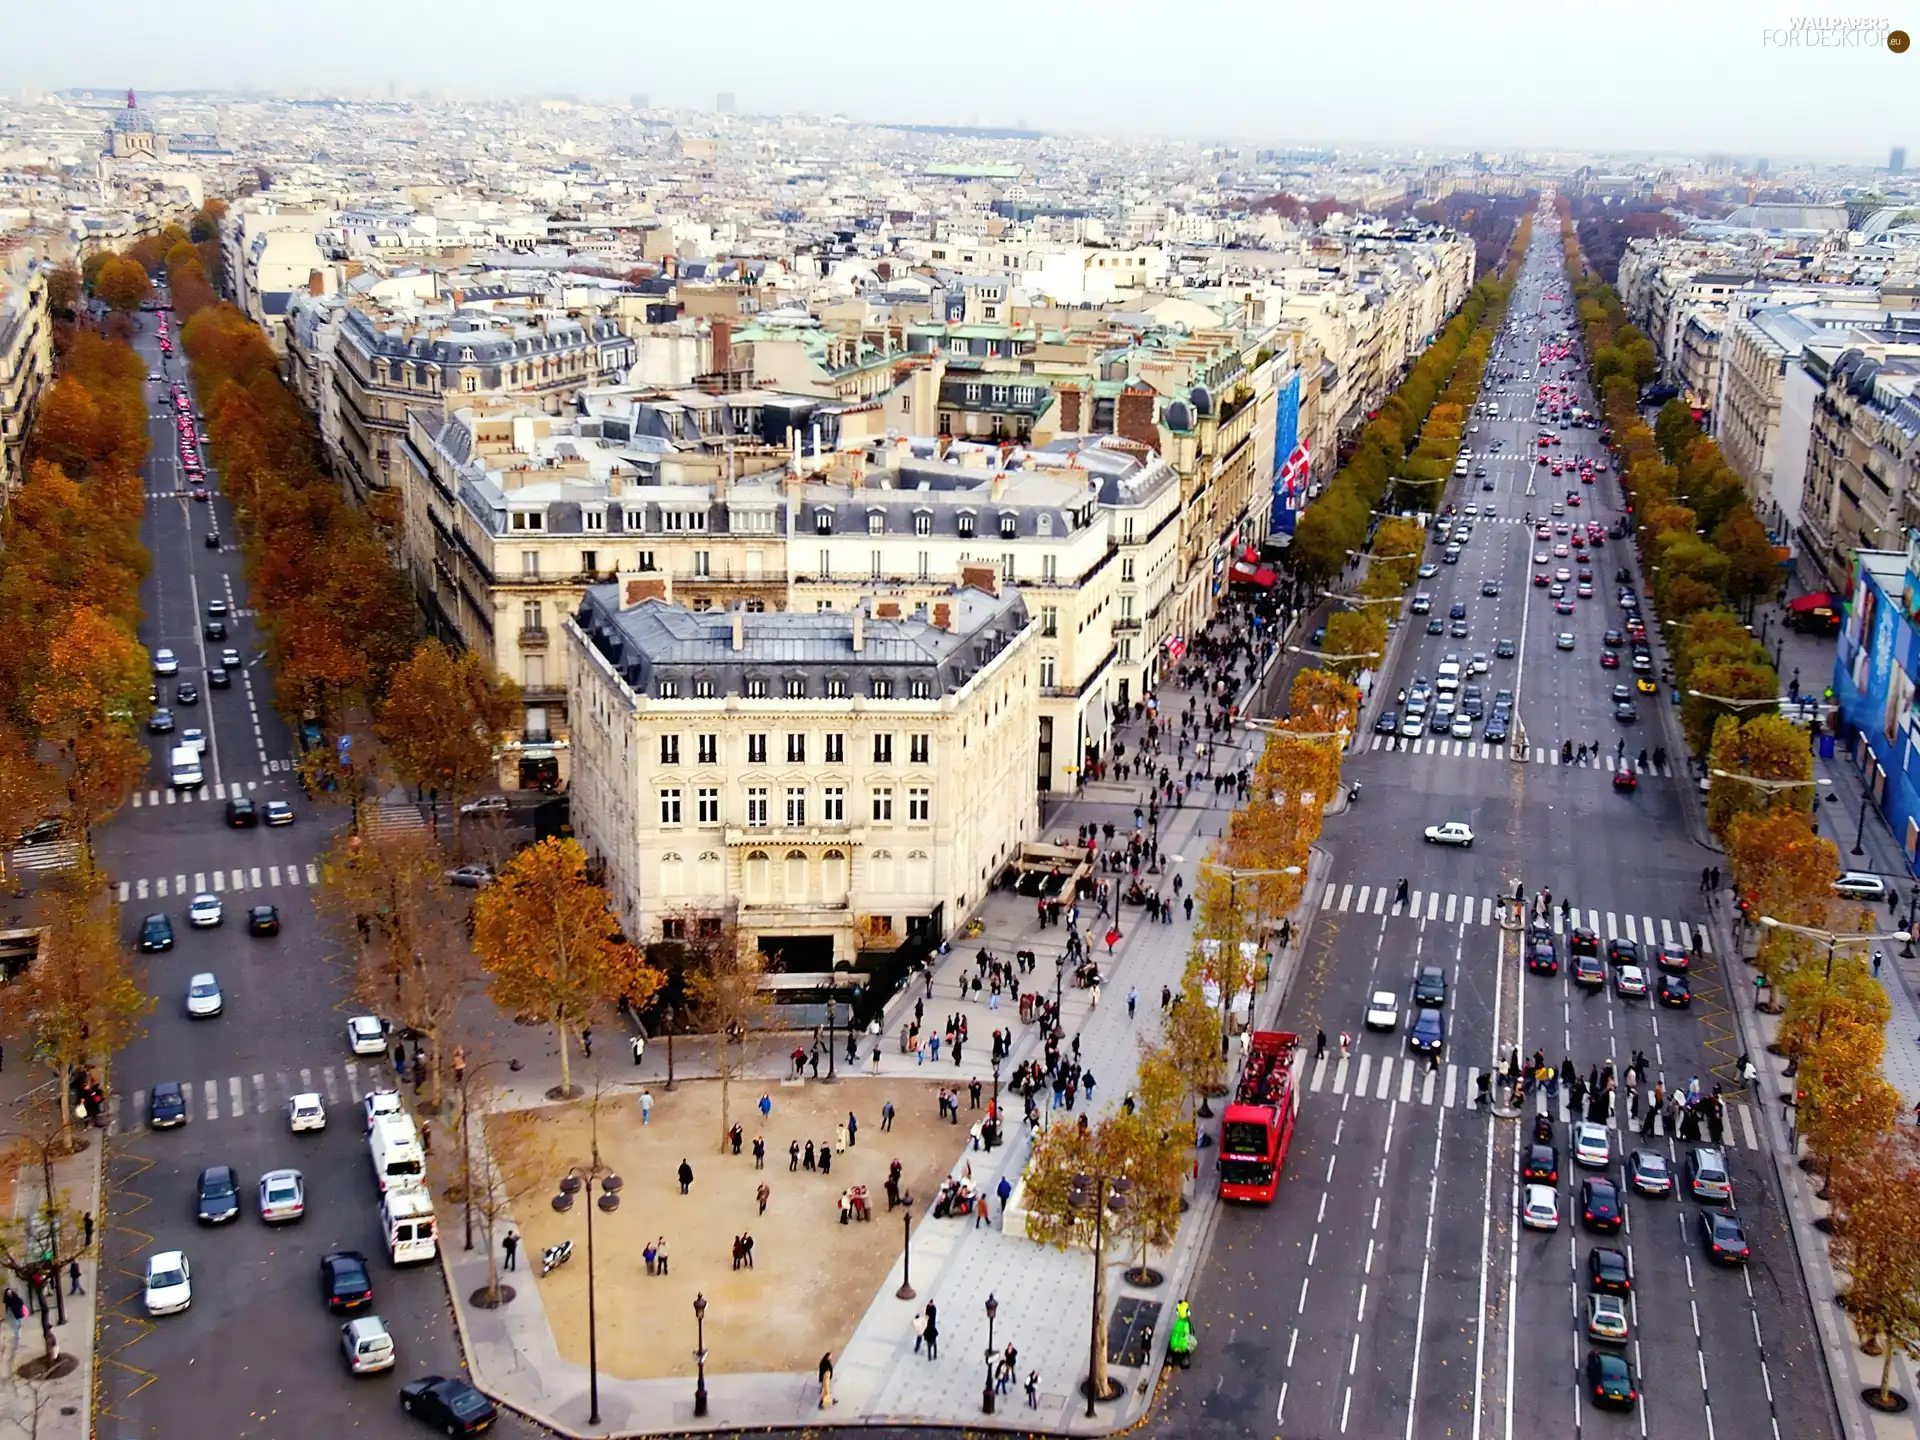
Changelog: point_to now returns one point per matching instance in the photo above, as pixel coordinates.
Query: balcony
(533, 638)
(835, 836)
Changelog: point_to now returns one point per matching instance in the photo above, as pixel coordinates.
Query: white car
(1454, 832)
(1591, 1145)
(1540, 1208)
(1630, 980)
(487, 805)
(1860, 885)
(195, 737)
(378, 1103)
(366, 1036)
(169, 1283)
(306, 1111)
(1384, 1012)
(205, 912)
(203, 996)
(1563, 641)
(283, 1196)
(165, 662)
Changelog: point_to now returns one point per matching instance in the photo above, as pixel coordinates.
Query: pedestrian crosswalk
(1409, 1080)
(1451, 907)
(56, 855)
(235, 1097)
(226, 790)
(1537, 755)
(220, 882)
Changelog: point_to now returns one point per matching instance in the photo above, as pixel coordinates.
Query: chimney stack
(943, 616)
(739, 630)
(859, 629)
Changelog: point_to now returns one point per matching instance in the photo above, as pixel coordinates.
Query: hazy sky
(1601, 74)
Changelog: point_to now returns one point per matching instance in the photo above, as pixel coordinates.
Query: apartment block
(26, 361)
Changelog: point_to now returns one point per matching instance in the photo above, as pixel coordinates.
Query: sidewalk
(1043, 1295)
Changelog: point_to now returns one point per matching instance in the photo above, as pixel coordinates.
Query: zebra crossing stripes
(1482, 750)
(55, 855)
(1409, 1080)
(234, 1097)
(1451, 907)
(226, 790)
(220, 882)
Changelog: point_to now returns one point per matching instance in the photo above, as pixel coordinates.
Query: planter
(1891, 1403)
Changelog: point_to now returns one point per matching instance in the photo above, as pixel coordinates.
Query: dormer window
(756, 689)
(593, 520)
(882, 688)
(876, 522)
(920, 690)
(965, 523)
(1045, 524)
(466, 354)
(1009, 526)
(922, 522)
(635, 520)
(529, 520)
(823, 522)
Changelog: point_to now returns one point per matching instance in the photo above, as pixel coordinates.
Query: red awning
(1822, 601)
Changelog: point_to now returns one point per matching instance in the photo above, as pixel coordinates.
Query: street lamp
(905, 1292)
(1363, 599)
(466, 1145)
(1832, 940)
(1092, 1196)
(1770, 786)
(1333, 659)
(1860, 830)
(609, 1201)
(700, 1354)
(986, 1391)
(1733, 704)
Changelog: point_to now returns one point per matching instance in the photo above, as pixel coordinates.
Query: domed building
(133, 136)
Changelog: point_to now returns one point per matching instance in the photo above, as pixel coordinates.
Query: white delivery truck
(394, 1147)
(184, 768)
(406, 1214)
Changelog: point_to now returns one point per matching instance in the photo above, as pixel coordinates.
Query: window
(707, 805)
(999, 395)
(1126, 570)
(922, 523)
(703, 689)
(759, 869)
(920, 748)
(1126, 649)
(593, 520)
(923, 565)
(470, 383)
(973, 394)
(919, 690)
(1126, 531)
(833, 875)
(531, 618)
(634, 521)
(964, 522)
(534, 669)
(796, 748)
(1126, 607)
(709, 749)
(833, 804)
(1047, 676)
(876, 523)
(796, 881)
(703, 563)
(883, 689)
(757, 688)
(669, 689)
(529, 564)
(796, 805)
(883, 749)
(669, 749)
(643, 560)
(673, 928)
(1049, 569)
(878, 570)
(919, 804)
(756, 807)
(1006, 568)
(796, 687)
(669, 807)
(1049, 620)
(589, 562)
(823, 523)
(883, 803)
(757, 748)
(1009, 526)
(529, 520)
(836, 749)
(826, 571)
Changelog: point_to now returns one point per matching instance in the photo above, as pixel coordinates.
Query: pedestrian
(510, 1248)
(763, 1194)
(793, 1158)
(660, 1255)
(1133, 1000)
(933, 1332)
(586, 1042)
(400, 1061)
(426, 1137)
(980, 1214)
(1319, 1044)
(766, 1107)
(16, 1311)
(686, 1177)
(86, 1225)
(1033, 1389)
(886, 1116)
(759, 1153)
(1166, 998)
(646, 1106)
(651, 1256)
(73, 1277)
(919, 1331)
(639, 1047)
(826, 1380)
(1346, 1044)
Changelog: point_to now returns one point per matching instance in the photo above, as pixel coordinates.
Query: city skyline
(1750, 86)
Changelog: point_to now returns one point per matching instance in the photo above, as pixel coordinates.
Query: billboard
(1291, 461)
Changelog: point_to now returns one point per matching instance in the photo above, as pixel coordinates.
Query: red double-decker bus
(1257, 1126)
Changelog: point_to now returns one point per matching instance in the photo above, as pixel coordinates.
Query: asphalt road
(257, 1354)
(1389, 1290)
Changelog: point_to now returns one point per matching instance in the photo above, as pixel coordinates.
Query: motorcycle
(554, 1256)
(1353, 792)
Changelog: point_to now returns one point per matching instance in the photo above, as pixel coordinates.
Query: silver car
(204, 1000)
(367, 1345)
(283, 1196)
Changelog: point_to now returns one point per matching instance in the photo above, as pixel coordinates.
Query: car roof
(165, 1259)
(1538, 1193)
(305, 1096)
(167, 1087)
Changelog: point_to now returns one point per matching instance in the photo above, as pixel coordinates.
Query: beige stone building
(1863, 460)
(26, 360)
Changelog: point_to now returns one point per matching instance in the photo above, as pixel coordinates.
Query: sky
(1585, 75)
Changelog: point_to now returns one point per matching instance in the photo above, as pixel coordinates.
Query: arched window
(796, 880)
(833, 876)
(880, 872)
(759, 875)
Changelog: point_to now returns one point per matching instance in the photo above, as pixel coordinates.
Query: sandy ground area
(812, 1277)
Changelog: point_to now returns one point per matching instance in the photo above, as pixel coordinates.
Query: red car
(1624, 779)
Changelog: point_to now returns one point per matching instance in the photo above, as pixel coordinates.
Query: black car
(1609, 1381)
(1724, 1236)
(166, 1106)
(1613, 639)
(1496, 732)
(1622, 952)
(1388, 722)
(344, 1283)
(1542, 959)
(1582, 941)
(263, 920)
(1599, 1204)
(452, 1406)
(240, 813)
(1436, 626)
(1490, 589)
(156, 933)
(218, 679)
(1430, 986)
(186, 693)
(219, 1199)
(1505, 649)
(41, 832)
(1625, 712)
(1542, 1167)
(214, 630)
(1675, 991)
(1607, 1270)
(1457, 611)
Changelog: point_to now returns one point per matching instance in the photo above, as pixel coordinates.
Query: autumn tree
(96, 673)
(445, 717)
(63, 290)
(721, 972)
(1877, 1243)
(1764, 748)
(551, 947)
(39, 1241)
(1781, 868)
(122, 285)
(506, 1158)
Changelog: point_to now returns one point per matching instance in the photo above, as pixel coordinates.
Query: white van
(394, 1147)
(184, 768)
(1460, 468)
(406, 1214)
(1447, 678)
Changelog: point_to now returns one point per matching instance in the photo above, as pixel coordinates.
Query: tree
(722, 973)
(78, 998)
(63, 290)
(122, 285)
(95, 675)
(445, 717)
(505, 1158)
(36, 1247)
(1781, 868)
(1767, 747)
(1877, 1242)
(552, 948)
